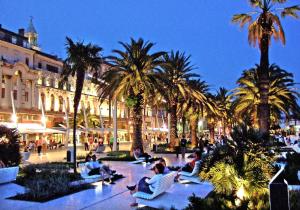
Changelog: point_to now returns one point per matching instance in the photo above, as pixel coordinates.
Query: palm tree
(282, 97)
(81, 59)
(92, 120)
(175, 74)
(195, 105)
(132, 75)
(223, 100)
(264, 23)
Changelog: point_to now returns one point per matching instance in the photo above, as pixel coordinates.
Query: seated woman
(163, 162)
(189, 167)
(146, 184)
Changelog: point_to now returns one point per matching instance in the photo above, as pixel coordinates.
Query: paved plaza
(105, 196)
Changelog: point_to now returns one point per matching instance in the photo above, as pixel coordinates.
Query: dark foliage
(47, 181)
(9, 146)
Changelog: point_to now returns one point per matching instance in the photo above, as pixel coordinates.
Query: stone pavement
(114, 197)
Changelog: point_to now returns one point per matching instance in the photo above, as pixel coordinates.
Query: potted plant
(9, 154)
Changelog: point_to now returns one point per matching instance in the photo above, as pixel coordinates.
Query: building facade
(33, 98)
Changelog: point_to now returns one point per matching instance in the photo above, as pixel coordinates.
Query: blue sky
(202, 28)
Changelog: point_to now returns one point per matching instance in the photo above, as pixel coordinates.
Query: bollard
(279, 193)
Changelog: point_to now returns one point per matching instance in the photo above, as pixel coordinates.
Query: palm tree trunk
(211, 128)
(183, 124)
(263, 110)
(173, 129)
(137, 141)
(74, 139)
(193, 124)
(79, 85)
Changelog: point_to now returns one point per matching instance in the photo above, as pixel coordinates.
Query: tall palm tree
(282, 97)
(175, 74)
(223, 100)
(264, 23)
(195, 105)
(132, 75)
(81, 59)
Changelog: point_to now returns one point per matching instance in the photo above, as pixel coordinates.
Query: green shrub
(9, 146)
(295, 199)
(118, 156)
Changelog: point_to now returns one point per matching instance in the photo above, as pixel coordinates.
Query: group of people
(148, 185)
(94, 167)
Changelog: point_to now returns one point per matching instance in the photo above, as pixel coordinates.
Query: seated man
(96, 167)
(146, 184)
(139, 154)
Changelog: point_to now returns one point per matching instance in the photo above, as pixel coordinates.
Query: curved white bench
(164, 184)
(8, 174)
(193, 176)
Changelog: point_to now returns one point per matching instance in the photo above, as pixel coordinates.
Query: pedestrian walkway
(115, 196)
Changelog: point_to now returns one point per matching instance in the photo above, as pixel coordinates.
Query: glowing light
(200, 123)
(164, 126)
(241, 193)
(14, 118)
(44, 119)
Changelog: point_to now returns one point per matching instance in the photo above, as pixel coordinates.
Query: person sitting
(146, 184)
(189, 167)
(93, 167)
(163, 162)
(139, 154)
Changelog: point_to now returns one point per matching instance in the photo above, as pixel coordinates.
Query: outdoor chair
(193, 176)
(164, 184)
(25, 156)
(100, 149)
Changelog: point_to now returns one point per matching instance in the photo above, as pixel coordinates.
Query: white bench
(8, 174)
(164, 184)
(193, 176)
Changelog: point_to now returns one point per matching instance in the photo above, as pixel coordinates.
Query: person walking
(39, 145)
(177, 147)
(86, 143)
(183, 143)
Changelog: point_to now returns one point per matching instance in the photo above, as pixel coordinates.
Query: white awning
(31, 128)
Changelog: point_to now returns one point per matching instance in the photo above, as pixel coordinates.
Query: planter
(8, 174)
